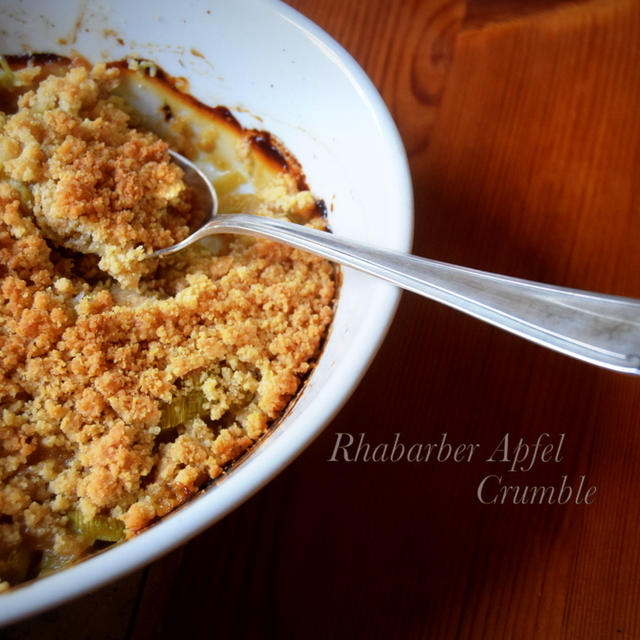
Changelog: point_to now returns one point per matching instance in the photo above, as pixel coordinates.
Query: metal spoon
(597, 328)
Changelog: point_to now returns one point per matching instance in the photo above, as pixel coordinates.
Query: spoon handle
(597, 328)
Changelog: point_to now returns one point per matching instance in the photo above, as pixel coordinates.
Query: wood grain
(520, 120)
(406, 48)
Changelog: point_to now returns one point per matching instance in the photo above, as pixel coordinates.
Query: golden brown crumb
(98, 185)
(92, 376)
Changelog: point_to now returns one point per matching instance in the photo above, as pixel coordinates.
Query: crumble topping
(125, 384)
(98, 186)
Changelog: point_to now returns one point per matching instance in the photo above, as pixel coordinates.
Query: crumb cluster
(98, 185)
(123, 389)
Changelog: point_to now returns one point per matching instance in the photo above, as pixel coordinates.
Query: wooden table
(521, 123)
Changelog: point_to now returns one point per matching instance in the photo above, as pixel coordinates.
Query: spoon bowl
(205, 201)
(596, 328)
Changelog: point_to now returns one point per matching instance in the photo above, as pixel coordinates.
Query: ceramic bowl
(277, 71)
